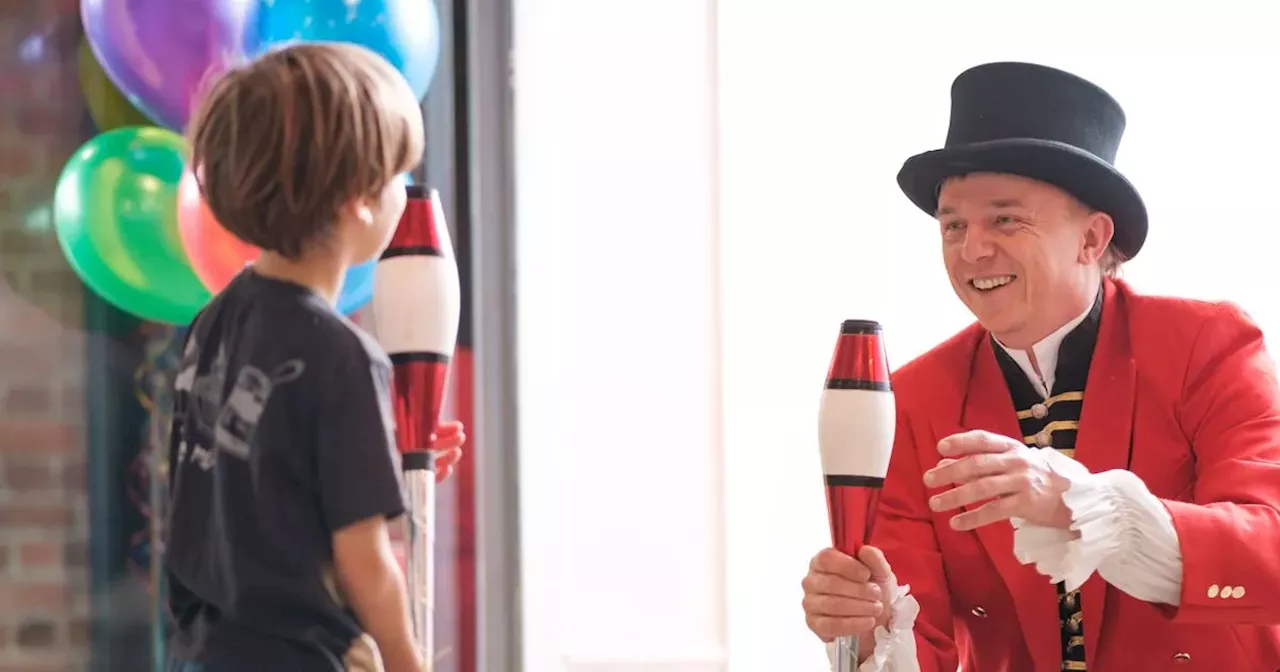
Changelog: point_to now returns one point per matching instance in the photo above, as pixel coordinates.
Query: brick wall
(43, 526)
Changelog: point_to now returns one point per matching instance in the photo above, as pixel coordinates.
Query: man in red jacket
(1086, 478)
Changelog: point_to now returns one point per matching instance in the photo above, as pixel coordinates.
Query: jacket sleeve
(904, 531)
(1230, 531)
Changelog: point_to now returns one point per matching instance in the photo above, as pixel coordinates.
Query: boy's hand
(447, 444)
(363, 656)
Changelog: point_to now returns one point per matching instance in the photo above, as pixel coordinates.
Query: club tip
(860, 327)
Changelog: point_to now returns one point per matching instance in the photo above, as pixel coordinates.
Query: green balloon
(116, 214)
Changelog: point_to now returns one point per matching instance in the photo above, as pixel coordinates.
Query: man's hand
(844, 596)
(986, 466)
(447, 445)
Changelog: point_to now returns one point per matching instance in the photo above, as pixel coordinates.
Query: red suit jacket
(1180, 392)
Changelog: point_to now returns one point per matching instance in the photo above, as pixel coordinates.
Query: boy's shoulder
(293, 322)
(332, 337)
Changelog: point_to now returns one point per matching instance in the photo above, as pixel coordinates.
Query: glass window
(84, 385)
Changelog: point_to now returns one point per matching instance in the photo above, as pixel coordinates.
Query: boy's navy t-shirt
(282, 434)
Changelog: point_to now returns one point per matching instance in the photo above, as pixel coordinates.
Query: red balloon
(216, 256)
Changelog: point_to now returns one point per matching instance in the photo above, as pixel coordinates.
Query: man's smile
(988, 283)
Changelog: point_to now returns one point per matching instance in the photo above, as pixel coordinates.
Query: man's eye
(954, 225)
(1006, 219)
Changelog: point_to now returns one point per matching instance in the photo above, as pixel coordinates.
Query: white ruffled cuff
(895, 645)
(1072, 555)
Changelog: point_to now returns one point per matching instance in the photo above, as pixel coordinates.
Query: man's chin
(997, 322)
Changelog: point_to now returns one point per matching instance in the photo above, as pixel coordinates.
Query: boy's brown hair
(280, 145)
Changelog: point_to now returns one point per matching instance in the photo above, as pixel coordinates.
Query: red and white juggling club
(856, 421)
(416, 304)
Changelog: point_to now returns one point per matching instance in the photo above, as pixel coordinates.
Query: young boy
(284, 469)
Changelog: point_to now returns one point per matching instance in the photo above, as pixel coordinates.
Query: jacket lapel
(1106, 428)
(988, 406)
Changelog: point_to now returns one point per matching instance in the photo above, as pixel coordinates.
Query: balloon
(159, 52)
(405, 32)
(107, 106)
(216, 255)
(115, 214)
(357, 287)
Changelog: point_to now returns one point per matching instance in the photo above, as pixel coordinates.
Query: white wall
(681, 280)
(619, 439)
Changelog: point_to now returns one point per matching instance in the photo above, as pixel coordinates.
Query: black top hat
(1040, 123)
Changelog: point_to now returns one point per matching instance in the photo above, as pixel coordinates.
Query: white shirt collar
(1046, 352)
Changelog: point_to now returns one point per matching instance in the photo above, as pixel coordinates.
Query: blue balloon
(405, 32)
(357, 288)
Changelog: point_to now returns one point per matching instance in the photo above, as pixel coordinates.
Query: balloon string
(152, 384)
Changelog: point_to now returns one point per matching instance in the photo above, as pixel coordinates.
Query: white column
(619, 440)
(813, 231)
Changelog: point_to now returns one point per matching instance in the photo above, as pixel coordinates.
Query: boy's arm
(359, 491)
(370, 580)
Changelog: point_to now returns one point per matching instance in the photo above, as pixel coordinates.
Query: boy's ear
(360, 210)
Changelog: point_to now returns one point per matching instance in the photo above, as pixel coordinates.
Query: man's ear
(1098, 231)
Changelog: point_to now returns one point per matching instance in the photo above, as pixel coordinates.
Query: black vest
(1053, 422)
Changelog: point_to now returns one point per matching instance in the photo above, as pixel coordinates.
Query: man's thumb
(875, 561)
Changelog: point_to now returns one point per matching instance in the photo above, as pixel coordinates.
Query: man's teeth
(992, 283)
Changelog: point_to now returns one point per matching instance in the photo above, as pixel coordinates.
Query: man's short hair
(281, 144)
(1112, 262)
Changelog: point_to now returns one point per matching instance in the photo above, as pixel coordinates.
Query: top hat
(1040, 123)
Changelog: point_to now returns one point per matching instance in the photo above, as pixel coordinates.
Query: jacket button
(1237, 592)
(1213, 591)
(979, 612)
(1181, 657)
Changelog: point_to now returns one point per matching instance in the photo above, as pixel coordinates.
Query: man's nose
(977, 245)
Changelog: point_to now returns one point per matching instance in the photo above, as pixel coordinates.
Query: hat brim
(1081, 174)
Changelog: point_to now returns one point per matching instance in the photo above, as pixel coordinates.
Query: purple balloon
(160, 52)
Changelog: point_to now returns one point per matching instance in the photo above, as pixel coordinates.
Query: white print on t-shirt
(205, 390)
(243, 406)
(230, 421)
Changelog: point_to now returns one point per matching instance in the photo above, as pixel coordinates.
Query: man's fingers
(873, 559)
(973, 492)
(827, 628)
(968, 468)
(819, 584)
(975, 442)
(992, 512)
(831, 561)
(840, 597)
(834, 606)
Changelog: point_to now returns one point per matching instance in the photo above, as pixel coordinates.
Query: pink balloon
(216, 256)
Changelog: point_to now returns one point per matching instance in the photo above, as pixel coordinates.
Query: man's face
(1021, 254)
